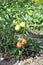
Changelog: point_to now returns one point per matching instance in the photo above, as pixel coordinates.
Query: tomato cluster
(19, 25)
(21, 43)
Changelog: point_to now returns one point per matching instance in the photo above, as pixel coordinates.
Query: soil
(31, 61)
(37, 60)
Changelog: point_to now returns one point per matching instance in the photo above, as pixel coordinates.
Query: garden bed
(21, 32)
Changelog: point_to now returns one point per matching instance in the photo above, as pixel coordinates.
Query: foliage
(14, 12)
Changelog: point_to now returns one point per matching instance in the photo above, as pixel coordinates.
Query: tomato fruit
(14, 22)
(17, 27)
(30, 14)
(22, 24)
(19, 45)
(24, 41)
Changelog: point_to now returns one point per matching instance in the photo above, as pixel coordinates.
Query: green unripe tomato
(17, 27)
(22, 24)
(14, 23)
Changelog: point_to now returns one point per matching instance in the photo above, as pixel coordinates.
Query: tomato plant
(17, 19)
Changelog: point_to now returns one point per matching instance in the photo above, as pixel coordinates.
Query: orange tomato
(19, 45)
(24, 41)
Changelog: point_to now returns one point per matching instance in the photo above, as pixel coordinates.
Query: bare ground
(29, 61)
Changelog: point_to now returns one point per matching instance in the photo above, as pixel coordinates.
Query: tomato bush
(17, 19)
